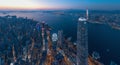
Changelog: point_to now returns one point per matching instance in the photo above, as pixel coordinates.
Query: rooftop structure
(54, 37)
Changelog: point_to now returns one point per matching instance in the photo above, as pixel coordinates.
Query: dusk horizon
(54, 4)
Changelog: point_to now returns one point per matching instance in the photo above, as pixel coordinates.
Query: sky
(101, 4)
(59, 4)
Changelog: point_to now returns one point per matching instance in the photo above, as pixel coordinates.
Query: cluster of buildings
(28, 42)
(17, 35)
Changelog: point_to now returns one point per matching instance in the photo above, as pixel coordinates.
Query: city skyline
(59, 4)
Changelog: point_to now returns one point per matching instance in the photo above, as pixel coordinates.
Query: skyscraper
(82, 41)
(60, 38)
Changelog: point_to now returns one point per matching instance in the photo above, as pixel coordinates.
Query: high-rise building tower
(82, 41)
(60, 38)
(87, 14)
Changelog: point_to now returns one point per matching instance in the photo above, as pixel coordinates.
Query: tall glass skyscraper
(82, 41)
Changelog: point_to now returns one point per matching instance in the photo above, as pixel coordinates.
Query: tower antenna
(87, 14)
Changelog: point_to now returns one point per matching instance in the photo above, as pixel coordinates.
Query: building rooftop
(82, 19)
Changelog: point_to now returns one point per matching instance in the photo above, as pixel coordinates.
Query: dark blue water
(106, 41)
(101, 38)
